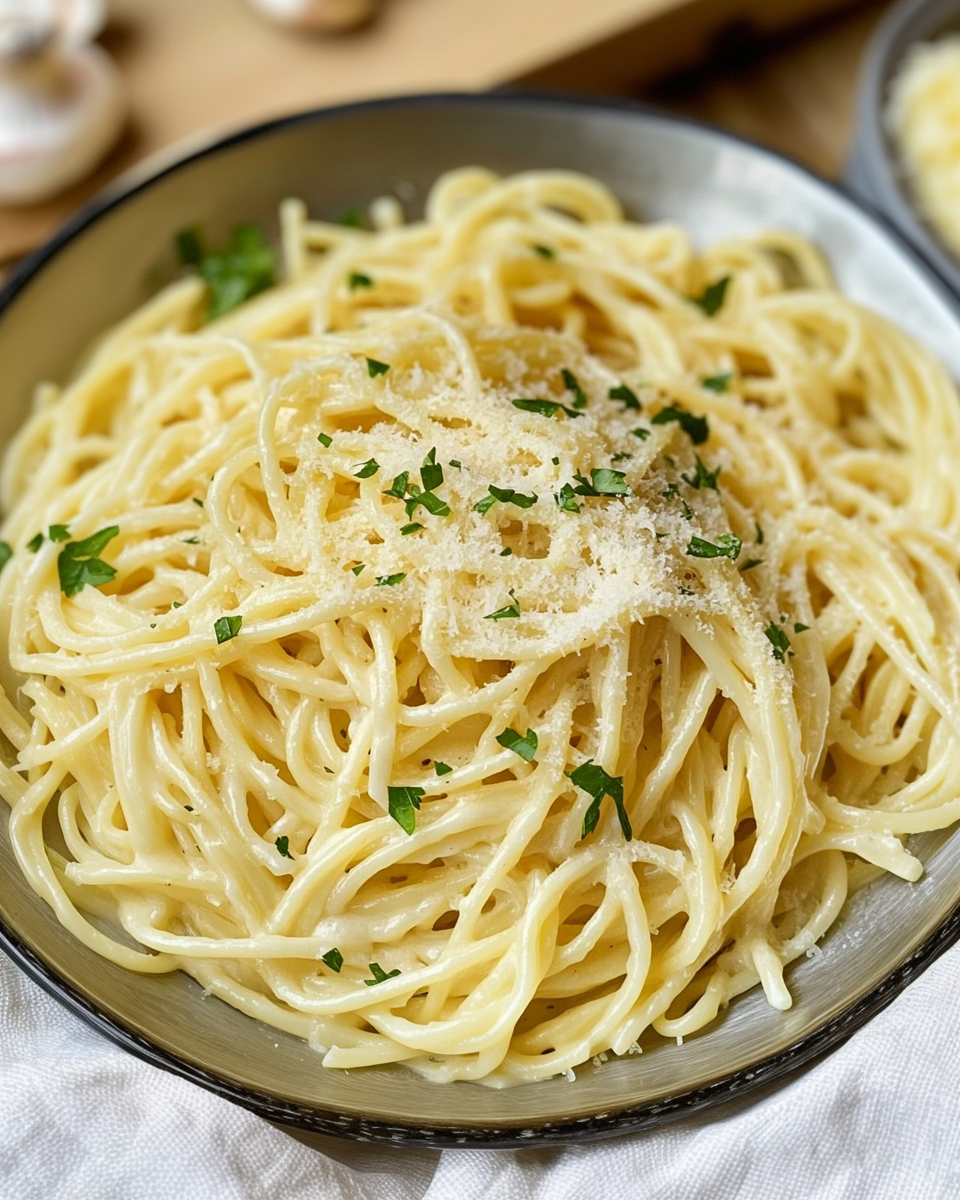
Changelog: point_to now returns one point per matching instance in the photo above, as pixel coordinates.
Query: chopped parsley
(566, 499)
(442, 768)
(545, 408)
(197, 501)
(358, 568)
(508, 613)
(717, 383)
(430, 501)
(641, 433)
(403, 803)
(506, 552)
(177, 604)
(543, 251)
(696, 428)
(413, 527)
(357, 279)
(78, 564)
(35, 543)
(778, 640)
(391, 580)
(431, 473)
(759, 533)
(191, 541)
(595, 781)
(750, 564)
(58, 533)
(232, 276)
(626, 395)
(455, 462)
(227, 628)
(380, 975)
(333, 959)
(370, 467)
(375, 367)
(702, 478)
(325, 439)
(572, 384)
(525, 746)
(673, 489)
(604, 481)
(622, 456)
(505, 496)
(800, 628)
(283, 846)
(6, 553)
(711, 299)
(399, 486)
(351, 218)
(726, 546)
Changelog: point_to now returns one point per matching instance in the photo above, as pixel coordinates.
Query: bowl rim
(872, 169)
(509, 1134)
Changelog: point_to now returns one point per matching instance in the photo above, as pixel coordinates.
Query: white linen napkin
(879, 1118)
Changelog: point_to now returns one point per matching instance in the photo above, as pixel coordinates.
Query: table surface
(196, 69)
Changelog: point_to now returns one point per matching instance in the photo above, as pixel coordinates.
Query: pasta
(506, 639)
(924, 116)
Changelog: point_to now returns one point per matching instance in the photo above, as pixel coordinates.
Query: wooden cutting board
(197, 67)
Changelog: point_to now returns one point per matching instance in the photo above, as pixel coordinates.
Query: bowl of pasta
(906, 153)
(480, 615)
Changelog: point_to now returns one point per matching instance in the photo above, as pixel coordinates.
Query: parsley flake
(696, 428)
(543, 251)
(333, 959)
(6, 553)
(283, 846)
(506, 552)
(525, 746)
(800, 628)
(232, 276)
(717, 383)
(58, 533)
(778, 640)
(375, 367)
(727, 546)
(442, 768)
(78, 564)
(413, 527)
(358, 568)
(759, 538)
(430, 501)
(641, 433)
(403, 803)
(35, 543)
(505, 496)
(380, 975)
(431, 473)
(595, 781)
(399, 486)
(325, 440)
(572, 384)
(711, 299)
(702, 478)
(750, 564)
(191, 541)
(566, 499)
(604, 481)
(545, 408)
(367, 469)
(227, 628)
(455, 462)
(351, 218)
(626, 395)
(508, 612)
(357, 279)
(622, 456)
(391, 580)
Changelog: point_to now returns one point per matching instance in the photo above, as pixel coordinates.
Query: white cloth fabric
(880, 1117)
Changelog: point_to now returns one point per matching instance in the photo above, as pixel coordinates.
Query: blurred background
(783, 72)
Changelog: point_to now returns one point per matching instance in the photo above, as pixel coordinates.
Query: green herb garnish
(431, 473)
(413, 527)
(358, 568)
(711, 299)
(545, 408)
(6, 553)
(750, 564)
(246, 267)
(325, 439)
(508, 612)
(58, 533)
(566, 499)
(367, 469)
(403, 803)
(595, 781)
(35, 543)
(505, 496)
(696, 428)
(759, 538)
(525, 746)
(78, 564)
(778, 640)
(727, 546)
(333, 959)
(572, 384)
(506, 552)
(626, 395)
(380, 975)
(283, 845)
(717, 383)
(641, 433)
(702, 478)
(227, 627)
(430, 501)
(375, 367)
(357, 279)
(604, 481)
(351, 218)
(399, 486)
(442, 768)
(544, 251)
(800, 628)
(391, 580)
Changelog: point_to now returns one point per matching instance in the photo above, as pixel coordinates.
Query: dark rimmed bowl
(111, 257)
(874, 170)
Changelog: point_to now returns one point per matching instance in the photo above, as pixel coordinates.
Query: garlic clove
(317, 14)
(60, 112)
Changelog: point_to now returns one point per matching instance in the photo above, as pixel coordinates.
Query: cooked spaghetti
(511, 635)
(924, 117)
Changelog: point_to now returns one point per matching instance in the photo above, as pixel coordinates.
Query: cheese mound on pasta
(513, 635)
(924, 116)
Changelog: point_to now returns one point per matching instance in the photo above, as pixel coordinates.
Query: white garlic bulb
(61, 105)
(317, 14)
